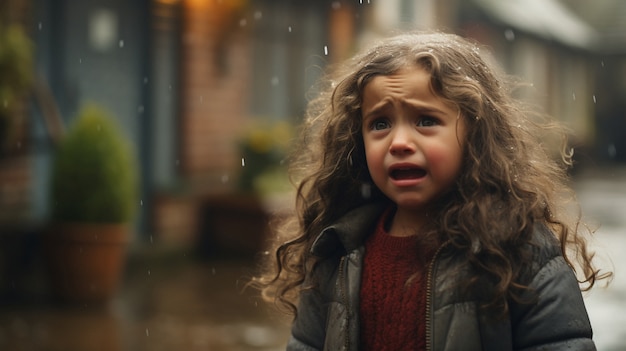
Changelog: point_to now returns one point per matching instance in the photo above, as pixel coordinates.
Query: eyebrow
(377, 109)
(385, 104)
(424, 109)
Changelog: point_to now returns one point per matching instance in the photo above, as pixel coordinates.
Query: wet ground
(175, 302)
(166, 304)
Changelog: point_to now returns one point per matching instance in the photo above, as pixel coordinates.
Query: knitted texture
(393, 309)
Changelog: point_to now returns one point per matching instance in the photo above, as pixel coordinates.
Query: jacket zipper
(342, 292)
(429, 287)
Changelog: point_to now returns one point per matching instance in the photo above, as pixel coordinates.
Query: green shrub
(94, 175)
(16, 75)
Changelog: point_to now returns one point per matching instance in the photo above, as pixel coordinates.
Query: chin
(410, 203)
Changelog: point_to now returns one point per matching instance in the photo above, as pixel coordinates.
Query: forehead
(411, 85)
(404, 82)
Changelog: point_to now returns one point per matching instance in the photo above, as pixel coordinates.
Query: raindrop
(225, 178)
(213, 270)
(147, 332)
(140, 109)
(275, 81)
(594, 99)
(258, 15)
(243, 22)
(148, 272)
(5, 103)
(326, 50)
(39, 26)
(243, 162)
(602, 63)
(574, 96)
(612, 150)
(177, 162)
(141, 202)
(145, 80)
(509, 35)
(201, 98)
(151, 239)
(19, 145)
(289, 29)
(366, 191)
(80, 60)
(121, 44)
(336, 5)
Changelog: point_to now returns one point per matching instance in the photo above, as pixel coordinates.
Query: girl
(428, 215)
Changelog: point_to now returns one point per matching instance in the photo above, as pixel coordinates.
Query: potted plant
(263, 148)
(94, 192)
(237, 223)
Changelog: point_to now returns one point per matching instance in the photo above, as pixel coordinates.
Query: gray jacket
(328, 316)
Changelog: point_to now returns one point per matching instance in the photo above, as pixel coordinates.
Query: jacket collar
(349, 231)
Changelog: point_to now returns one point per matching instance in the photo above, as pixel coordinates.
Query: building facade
(185, 78)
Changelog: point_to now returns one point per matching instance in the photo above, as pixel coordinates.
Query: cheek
(375, 160)
(444, 159)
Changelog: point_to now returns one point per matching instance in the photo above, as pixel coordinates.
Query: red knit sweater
(393, 310)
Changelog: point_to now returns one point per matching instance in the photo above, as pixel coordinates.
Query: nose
(402, 142)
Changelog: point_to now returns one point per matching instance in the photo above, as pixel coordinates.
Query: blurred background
(202, 98)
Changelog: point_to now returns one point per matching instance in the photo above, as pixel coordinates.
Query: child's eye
(380, 124)
(427, 121)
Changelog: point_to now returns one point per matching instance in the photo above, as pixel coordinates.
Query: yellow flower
(282, 134)
(260, 141)
(263, 138)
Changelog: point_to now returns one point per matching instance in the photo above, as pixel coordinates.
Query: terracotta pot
(85, 261)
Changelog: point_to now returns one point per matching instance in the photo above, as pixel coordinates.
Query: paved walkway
(603, 200)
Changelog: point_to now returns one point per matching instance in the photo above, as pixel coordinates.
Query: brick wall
(214, 98)
(215, 75)
(15, 190)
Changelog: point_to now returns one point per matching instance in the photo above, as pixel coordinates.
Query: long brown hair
(507, 185)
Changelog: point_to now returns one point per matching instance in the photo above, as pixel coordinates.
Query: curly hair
(508, 182)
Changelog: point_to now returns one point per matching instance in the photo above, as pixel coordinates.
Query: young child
(428, 215)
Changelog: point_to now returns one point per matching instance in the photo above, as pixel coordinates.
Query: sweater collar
(349, 231)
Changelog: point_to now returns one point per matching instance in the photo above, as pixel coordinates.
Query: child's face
(413, 139)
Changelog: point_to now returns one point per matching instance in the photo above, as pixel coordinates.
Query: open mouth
(407, 173)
